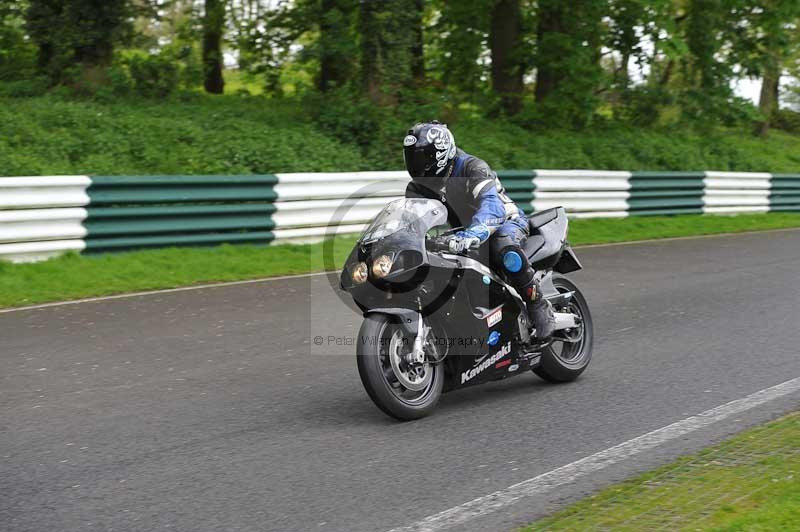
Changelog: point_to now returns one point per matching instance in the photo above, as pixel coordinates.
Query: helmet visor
(419, 161)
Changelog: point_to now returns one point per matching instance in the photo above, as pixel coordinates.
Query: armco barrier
(44, 216)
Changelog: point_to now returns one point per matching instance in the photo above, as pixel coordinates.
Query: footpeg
(531, 359)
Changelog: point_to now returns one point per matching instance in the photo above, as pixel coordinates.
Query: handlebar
(439, 243)
(442, 243)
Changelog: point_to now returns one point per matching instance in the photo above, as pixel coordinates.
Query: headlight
(382, 266)
(360, 272)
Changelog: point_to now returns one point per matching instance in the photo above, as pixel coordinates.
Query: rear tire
(567, 363)
(377, 337)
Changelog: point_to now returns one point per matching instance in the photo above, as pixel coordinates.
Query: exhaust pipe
(565, 320)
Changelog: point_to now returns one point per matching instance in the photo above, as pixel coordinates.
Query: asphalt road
(213, 410)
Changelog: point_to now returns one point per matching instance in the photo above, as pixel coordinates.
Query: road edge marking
(162, 291)
(312, 274)
(568, 473)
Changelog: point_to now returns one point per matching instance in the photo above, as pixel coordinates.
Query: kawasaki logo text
(487, 362)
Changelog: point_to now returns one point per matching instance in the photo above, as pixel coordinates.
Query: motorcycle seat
(538, 219)
(533, 244)
(548, 233)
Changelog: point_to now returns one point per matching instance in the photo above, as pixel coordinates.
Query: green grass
(750, 482)
(76, 276)
(196, 133)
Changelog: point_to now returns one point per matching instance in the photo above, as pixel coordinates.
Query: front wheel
(571, 350)
(402, 389)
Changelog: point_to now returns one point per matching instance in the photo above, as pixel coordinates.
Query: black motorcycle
(435, 321)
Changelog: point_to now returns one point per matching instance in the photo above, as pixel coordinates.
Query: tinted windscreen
(410, 215)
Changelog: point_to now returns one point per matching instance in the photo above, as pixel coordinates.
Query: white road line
(563, 475)
(162, 291)
(301, 275)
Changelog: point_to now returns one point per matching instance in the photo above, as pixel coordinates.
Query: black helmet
(429, 150)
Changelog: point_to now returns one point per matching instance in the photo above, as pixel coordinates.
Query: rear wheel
(570, 352)
(400, 387)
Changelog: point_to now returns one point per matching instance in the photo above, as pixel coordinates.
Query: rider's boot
(540, 311)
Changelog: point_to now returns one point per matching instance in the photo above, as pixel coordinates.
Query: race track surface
(212, 410)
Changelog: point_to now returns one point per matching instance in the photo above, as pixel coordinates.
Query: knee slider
(512, 261)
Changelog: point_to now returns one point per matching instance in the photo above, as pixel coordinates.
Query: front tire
(564, 361)
(400, 391)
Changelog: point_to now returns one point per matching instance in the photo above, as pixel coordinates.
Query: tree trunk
(505, 38)
(334, 66)
(549, 23)
(624, 77)
(768, 99)
(667, 74)
(704, 24)
(417, 44)
(371, 63)
(213, 23)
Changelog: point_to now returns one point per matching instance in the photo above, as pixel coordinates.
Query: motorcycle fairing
(473, 293)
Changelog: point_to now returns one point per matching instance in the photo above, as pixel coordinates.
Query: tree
(767, 46)
(505, 41)
(386, 48)
(213, 26)
(708, 28)
(418, 42)
(71, 33)
(371, 49)
(457, 53)
(568, 71)
(335, 43)
(626, 19)
(17, 55)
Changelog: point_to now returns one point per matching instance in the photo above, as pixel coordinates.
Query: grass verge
(750, 482)
(77, 276)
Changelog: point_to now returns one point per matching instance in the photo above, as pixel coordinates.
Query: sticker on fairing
(495, 317)
(410, 140)
(486, 363)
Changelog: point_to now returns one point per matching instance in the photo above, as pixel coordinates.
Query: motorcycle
(435, 321)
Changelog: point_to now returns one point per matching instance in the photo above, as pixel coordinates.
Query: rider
(471, 191)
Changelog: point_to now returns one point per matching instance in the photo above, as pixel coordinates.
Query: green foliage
(24, 88)
(643, 106)
(787, 120)
(455, 43)
(568, 61)
(264, 38)
(76, 33)
(17, 55)
(584, 63)
(386, 45)
(339, 81)
(197, 134)
(709, 24)
(154, 76)
(337, 46)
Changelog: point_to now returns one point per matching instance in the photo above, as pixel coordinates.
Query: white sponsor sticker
(495, 317)
(513, 367)
(410, 140)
